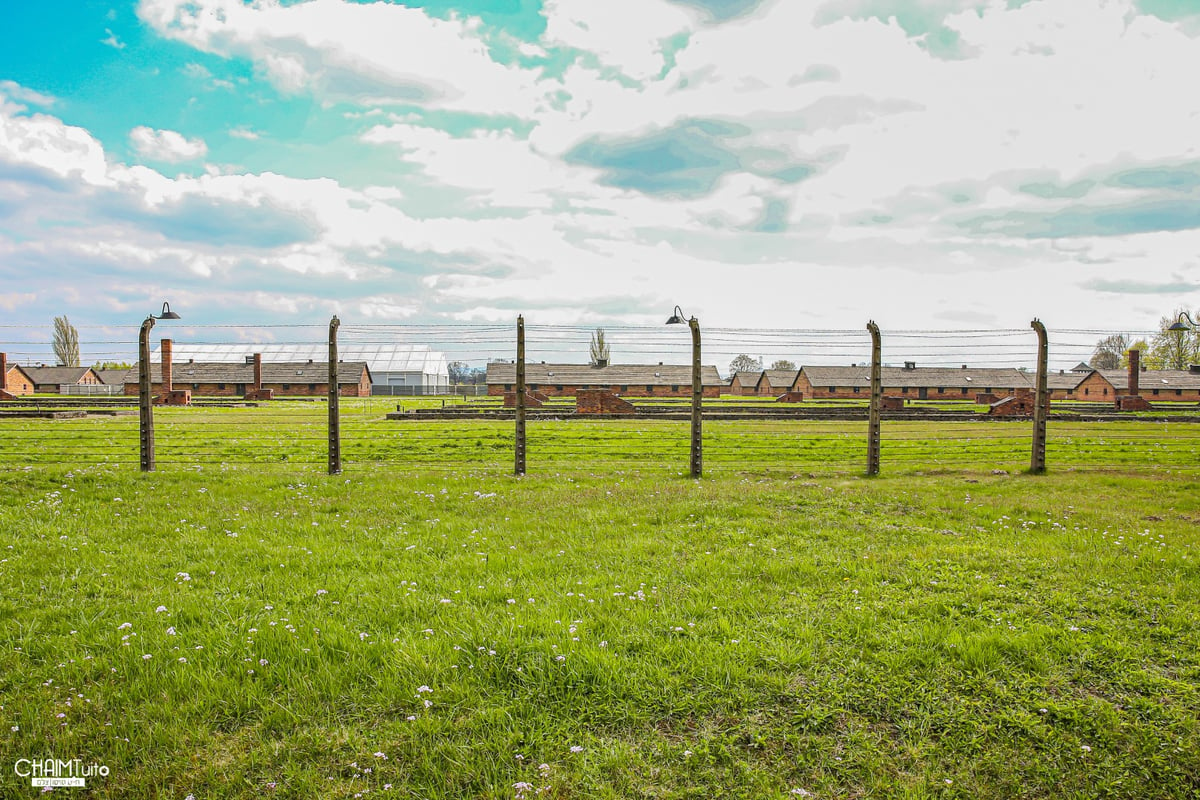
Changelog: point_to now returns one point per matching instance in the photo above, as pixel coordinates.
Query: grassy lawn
(950, 629)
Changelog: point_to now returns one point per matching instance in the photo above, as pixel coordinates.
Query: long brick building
(220, 379)
(911, 381)
(626, 380)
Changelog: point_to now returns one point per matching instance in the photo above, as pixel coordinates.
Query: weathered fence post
(697, 402)
(519, 439)
(145, 401)
(1041, 401)
(876, 400)
(335, 423)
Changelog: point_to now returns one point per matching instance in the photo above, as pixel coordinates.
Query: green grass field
(425, 625)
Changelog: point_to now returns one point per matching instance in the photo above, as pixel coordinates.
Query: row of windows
(221, 387)
(904, 389)
(533, 387)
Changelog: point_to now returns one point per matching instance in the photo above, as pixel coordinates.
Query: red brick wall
(361, 389)
(1094, 389)
(599, 401)
(18, 382)
(625, 390)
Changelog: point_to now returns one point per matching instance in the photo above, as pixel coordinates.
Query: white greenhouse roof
(381, 358)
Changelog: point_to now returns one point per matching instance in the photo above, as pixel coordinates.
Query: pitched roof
(57, 375)
(272, 372)
(112, 376)
(612, 375)
(379, 356)
(23, 370)
(780, 378)
(1154, 379)
(899, 377)
(1065, 380)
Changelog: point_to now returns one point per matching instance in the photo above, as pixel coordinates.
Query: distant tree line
(1167, 349)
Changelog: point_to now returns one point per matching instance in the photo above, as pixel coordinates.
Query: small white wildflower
(160, 609)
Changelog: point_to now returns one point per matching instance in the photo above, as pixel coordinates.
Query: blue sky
(923, 163)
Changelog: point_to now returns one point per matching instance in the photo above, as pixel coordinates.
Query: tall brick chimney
(257, 371)
(3, 371)
(167, 384)
(1135, 366)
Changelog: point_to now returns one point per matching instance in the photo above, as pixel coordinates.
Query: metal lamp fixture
(697, 389)
(167, 313)
(145, 401)
(1180, 325)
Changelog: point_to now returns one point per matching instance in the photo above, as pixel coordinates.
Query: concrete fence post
(697, 438)
(335, 426)
(873, 411)
(145, 401)
(519, 438)
(1041, 401)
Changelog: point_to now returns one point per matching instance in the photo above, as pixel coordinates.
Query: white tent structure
(396, 368)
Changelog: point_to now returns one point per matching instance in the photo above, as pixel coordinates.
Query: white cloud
(112, 41)
(503, 169)
(244, 133)
(374, 53)
(42, 141)
(628, 35)
(11, 301)
(23, 94)
(163, 145)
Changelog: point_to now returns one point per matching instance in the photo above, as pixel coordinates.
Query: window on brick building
(220, 387)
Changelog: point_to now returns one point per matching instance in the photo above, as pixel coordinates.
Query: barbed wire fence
(449, 430)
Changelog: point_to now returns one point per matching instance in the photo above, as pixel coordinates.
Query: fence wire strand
(431, 408)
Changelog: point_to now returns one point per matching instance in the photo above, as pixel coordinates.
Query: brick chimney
(257, 371)
(3, 371)
(167, 384)
(1135, 361)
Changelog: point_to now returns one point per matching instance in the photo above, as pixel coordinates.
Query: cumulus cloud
(23, 94)
(169, 146)
(341, 50)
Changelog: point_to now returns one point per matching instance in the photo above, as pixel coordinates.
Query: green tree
(1174, 349)
(783, 363)
(599, 348)
(66, 342)
(1109, 352)
(744, 363)
(1143, 347)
